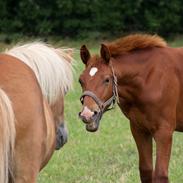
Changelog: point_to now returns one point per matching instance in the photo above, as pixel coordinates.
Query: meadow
(110, 154)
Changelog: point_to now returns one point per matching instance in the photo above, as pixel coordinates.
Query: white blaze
(93, 71)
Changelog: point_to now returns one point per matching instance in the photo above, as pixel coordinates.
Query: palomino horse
(34, 79)
(146, 76)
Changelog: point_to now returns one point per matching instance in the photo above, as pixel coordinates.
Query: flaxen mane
(134, 42)
(52, 67)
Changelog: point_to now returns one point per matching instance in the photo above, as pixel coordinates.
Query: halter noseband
(103, 106)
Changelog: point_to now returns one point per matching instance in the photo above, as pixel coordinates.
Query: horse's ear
(84, 54)
(105, 53)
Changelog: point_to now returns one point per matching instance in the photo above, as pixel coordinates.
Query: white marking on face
(93, 71)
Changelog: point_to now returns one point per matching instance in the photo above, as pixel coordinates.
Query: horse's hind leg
(144, 146)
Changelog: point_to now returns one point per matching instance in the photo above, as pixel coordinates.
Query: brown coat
(150, 88)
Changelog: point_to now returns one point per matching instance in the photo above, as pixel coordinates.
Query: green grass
(107, 156)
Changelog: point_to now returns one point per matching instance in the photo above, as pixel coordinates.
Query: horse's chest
(135, 114)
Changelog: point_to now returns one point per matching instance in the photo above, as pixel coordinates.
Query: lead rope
(115, 84)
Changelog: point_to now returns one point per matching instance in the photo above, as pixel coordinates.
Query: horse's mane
(52, 67)
(135, 42)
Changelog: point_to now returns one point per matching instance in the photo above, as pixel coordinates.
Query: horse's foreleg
(144, 146)
(163, 139)
(26, 172)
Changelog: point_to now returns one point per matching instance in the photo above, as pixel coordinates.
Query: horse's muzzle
(92, 123)
(61, 136)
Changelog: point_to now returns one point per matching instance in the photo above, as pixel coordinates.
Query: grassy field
(107, 156)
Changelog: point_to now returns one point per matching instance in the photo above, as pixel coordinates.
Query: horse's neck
(130, 76)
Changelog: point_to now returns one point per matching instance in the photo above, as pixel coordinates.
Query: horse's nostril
(95, 112)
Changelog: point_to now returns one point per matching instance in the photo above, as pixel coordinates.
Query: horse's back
(21, 86)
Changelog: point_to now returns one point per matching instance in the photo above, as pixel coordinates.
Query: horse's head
(98, 85)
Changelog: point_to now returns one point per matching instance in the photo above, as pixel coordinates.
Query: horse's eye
(107, 80)
(81, 82)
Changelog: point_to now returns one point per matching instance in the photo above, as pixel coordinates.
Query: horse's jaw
(92, 127)
(94, 124)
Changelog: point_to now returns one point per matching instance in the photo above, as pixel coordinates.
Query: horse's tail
(7, 138)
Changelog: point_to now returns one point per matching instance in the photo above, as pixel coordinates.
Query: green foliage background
(71, 18)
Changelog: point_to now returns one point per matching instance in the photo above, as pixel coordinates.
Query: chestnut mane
(135, 42)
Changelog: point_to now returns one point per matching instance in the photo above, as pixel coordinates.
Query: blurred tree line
(74, 18)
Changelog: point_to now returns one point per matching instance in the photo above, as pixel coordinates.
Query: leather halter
(104, 106)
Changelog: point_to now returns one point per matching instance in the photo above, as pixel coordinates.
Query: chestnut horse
(33, 81)
(146, 77)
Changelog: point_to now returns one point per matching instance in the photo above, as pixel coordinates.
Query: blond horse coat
(30, 110)
(53, 70)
